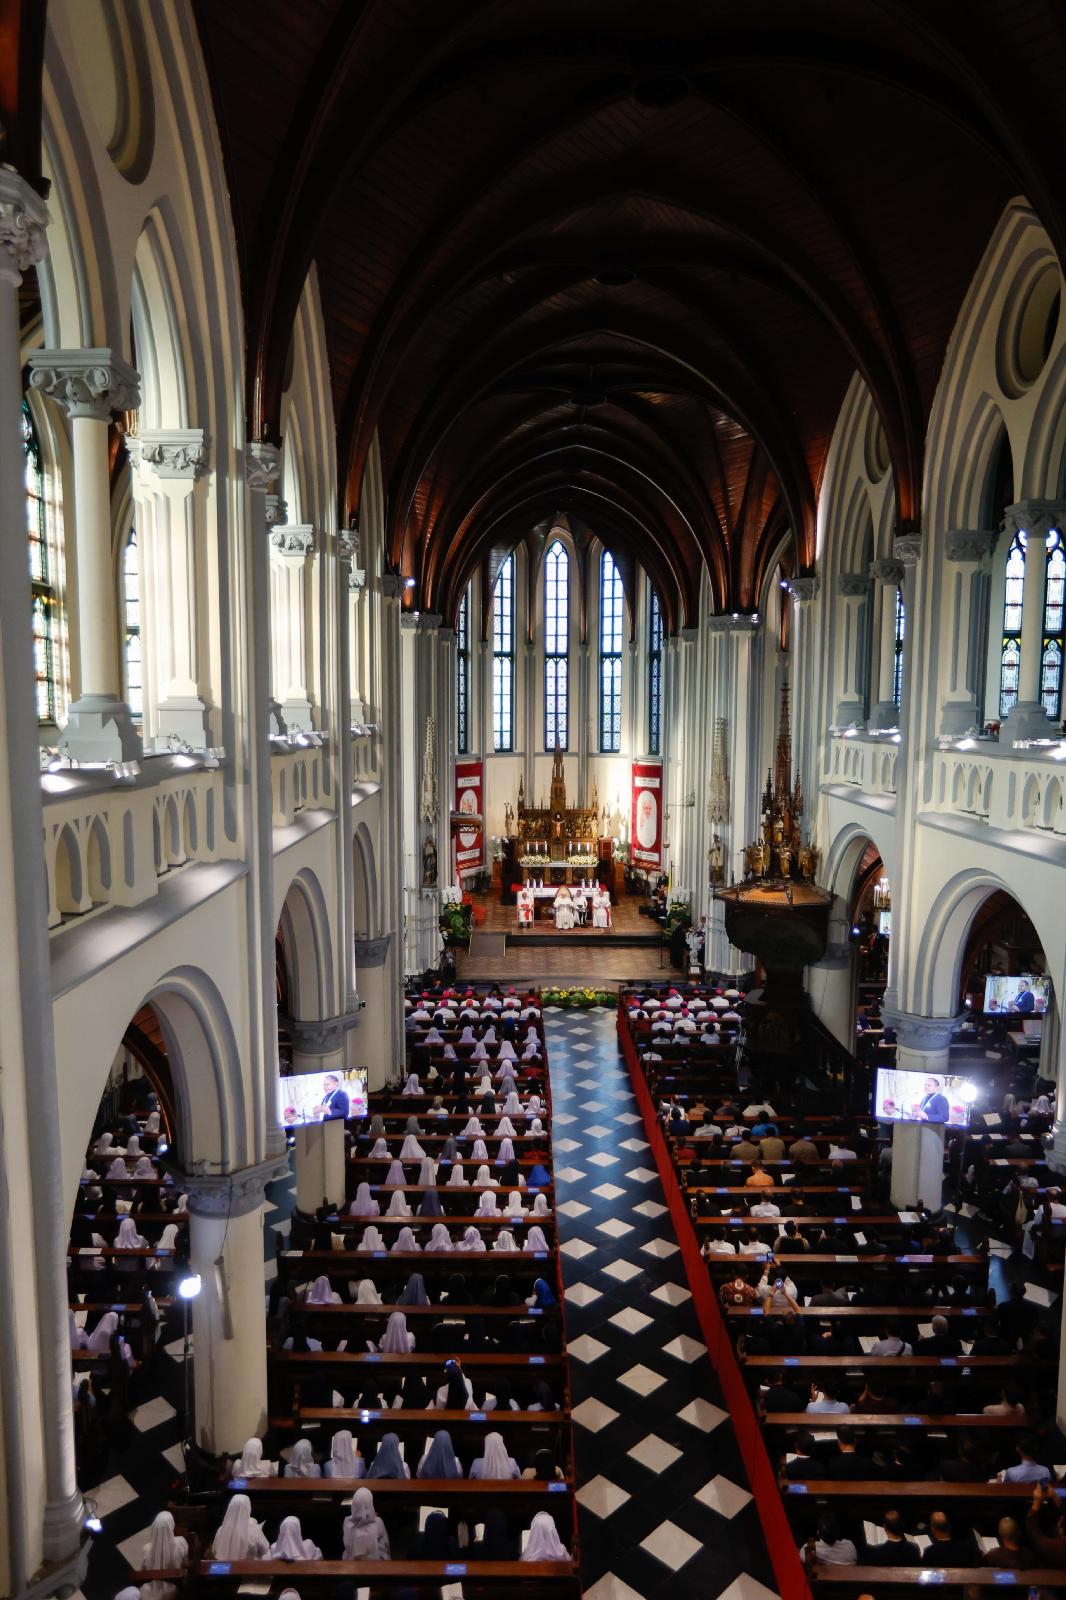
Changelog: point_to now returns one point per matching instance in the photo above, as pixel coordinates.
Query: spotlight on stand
(188, 1288)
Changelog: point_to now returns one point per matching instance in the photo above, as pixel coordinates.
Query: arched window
(897, 660)
(612, 605)
(131, 617)
(1052, 641)
(556, 643)
(503, 658)
(1010, 653)
(462, 675)
(42, 578)
(655, 675)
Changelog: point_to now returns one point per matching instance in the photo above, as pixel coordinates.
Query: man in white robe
(524, 903)
(564, 910)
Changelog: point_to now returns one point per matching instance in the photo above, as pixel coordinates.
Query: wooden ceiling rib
(781, 197)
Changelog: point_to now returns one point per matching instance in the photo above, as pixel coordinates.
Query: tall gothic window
(503, 658)
(556, 642)
(1010, 652)
(655, 676)
(131, 617)
(1052, 640)
(897, 660)
(42, 578)
(612, 605)
(462, 675)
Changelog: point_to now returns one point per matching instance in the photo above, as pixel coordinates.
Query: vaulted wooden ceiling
(619, 259)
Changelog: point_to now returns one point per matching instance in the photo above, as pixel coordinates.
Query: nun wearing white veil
(395, 1178)
(365, 1537)
(411, 1150)
(495, 1462)
(302, 1463)
(371, 1240)
(240, 1537)
(439, 1240)
(250, 1463)
(78, 1337)
(406, 1243)
(99, 1341)
(535, 1239)
(505, 1241)
(322, 1293)
(344, 1459)
(366, 1293)
(364, 1204)
(544, 1543)
(505, 1129)
(483, 1178)
(471, 1241)
(396, 1341)
(165, 1551)
(427, 1174)
(290, 1544)
(398, 1206)
(487, 1206)
(457, 1178)
(379, 1151)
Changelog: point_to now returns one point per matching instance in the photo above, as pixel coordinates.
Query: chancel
(533, 800)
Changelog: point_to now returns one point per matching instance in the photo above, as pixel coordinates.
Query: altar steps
(605, 938)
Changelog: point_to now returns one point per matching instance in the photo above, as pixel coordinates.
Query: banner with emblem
(469, 837)
(646, 823)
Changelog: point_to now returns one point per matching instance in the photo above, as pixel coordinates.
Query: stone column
(887, 576)
(167, 462)
(229, 1328)
(41, 1511)
(918, 1147)
(1036, 518)
(90, 385)
(381, 1043)
(320, 1046)
(803, 684)
(963, 619)
(854, 588)
(290, 545)
(831, 987)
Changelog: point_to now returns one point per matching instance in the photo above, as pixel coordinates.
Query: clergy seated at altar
(601, 908)
(525, 904)
(564, 910)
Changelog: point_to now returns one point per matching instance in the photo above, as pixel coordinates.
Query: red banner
(469, 841)
(646, 823)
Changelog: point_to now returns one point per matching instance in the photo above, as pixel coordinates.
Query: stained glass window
(1010, 655)
(556, 644)
(131, 616)
(612, 605)
(1052, 642)
(462, 676)
(655, 676)
(897, 663)
(45, 604)
(503, 658)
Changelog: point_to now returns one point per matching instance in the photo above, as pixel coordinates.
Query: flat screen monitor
(923, 1097)
(309, 1097)
(884, 923)
(1027, 995)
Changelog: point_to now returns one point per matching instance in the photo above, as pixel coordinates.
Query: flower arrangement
(578, 997)
(455, 924)
(677, 915)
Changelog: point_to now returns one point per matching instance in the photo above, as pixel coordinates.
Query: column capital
(429, 621)
(888, 572)
(804, 589)
(86, 383)
(292, 540)
(23, 220)
(391, 585)
(907, 547)
(970, 544)
(321, 1036)
(728, 622)
(170, 453)
(854, 584)
(262, 464)
(409, 621)
(348, 556)
(371, 952)
(922, 1033)
(1035, 517)
(231, 1194)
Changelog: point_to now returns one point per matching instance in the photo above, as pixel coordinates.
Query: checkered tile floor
(665, 1507)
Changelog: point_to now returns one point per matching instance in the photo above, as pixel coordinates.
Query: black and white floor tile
(664, 1502)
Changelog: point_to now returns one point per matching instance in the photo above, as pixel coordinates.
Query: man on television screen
(1023, 1001)
(335, 1099)
(933, 1106)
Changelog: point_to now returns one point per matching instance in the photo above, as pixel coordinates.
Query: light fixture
(969, 1092)
(189, 1288)
(408, 583)
(93, 1525)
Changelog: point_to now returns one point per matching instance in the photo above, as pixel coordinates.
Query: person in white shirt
(841, 1153)
(824, 1399)
(777, 1293)
(765, 1208)
(716, 1244)
(890, 1344)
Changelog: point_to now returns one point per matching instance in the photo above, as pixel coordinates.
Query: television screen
(884, 923)
(1024, 996)
(923, 1097)
(309, 1097)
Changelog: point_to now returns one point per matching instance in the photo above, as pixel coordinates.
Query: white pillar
(290, 545)
(918, 1147)
(887, 576)
(379, 1044)
(962, 629)
(41, 1510)
(1036, 518)
(228, 1321)
(89, 385)
(854, 589)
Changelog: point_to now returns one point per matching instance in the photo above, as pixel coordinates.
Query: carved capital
(231, 1194)
(409, 621)
(890, 573)
(972, 544)
(262, 464)
(86, 383)
(854, 584)
(293, 540)
(922, 1033)
(348, 556)
(169, 452)
(907, 548)
(322, 1036)
(728, 623)
(371, 952)
(803, 589)
(275, 510)
(429, 621)
(23, 220)
(1035, 517)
